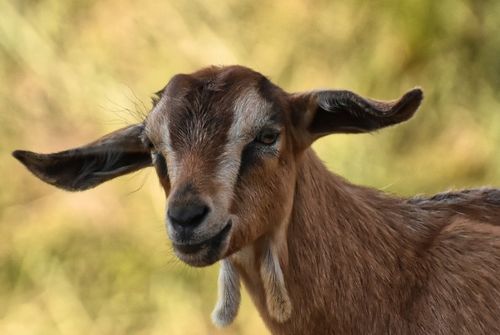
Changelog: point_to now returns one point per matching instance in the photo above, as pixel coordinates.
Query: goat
(317, 254)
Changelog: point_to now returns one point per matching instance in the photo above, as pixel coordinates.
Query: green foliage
(99, 262)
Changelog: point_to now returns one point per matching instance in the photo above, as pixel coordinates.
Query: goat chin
(229, 297)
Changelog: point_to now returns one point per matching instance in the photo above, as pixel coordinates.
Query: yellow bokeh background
(99, 262)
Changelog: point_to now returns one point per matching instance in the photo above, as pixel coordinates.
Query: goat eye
(268, 136)
(160, 164)
(147, 143)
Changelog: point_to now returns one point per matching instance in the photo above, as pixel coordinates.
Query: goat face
(223, 149)
(226, 144)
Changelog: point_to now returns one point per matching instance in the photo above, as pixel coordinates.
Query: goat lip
(215, 241)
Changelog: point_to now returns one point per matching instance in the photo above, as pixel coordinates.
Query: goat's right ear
(321, 113)
(113, 155)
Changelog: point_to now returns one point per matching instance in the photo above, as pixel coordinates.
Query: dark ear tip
(416, 94)
(30, 159)
(408, 104)
(22, 155)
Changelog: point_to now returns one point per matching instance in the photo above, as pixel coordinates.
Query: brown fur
(317, 254)
(361, 262)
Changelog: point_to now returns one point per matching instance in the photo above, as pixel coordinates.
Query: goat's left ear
(331, 111)
(78, 169)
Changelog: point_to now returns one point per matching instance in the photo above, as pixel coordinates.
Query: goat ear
(333, 111)
(81, 168)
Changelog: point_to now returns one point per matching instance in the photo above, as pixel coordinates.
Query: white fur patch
(250, 114)
(162, 122)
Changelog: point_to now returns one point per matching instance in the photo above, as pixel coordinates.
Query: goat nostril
(188, 215)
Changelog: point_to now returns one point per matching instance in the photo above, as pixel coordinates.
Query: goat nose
(187, 215)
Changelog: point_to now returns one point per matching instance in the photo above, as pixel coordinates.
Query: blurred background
(99, 262)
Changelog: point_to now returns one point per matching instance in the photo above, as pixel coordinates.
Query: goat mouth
(206, 252)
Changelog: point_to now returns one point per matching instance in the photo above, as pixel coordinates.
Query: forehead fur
(205, 105)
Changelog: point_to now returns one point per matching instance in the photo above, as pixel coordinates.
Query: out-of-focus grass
(99, 262)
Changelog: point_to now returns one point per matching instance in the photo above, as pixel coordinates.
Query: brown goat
(317, 254)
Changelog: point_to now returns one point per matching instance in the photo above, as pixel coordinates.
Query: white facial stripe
(166, 149)
(250, 114)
